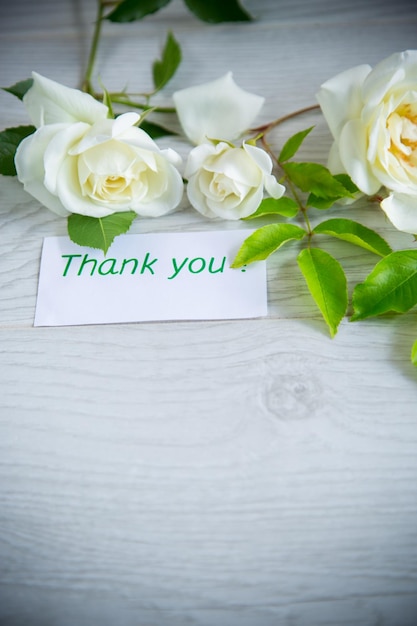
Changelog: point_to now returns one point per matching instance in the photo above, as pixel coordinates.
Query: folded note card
(151, 277)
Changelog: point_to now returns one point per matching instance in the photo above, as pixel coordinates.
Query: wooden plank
(136, 480)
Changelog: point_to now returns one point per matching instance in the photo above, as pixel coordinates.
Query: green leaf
(327, 284)
(216, 11)
(327, 202)
(155, 130)
(19, 89)
(163, 70)
(391, 286)
(264, 241)
(9, 141)
(414, 354)
(316, 179)
(292, 145)
(347, 182)
(131, 10)
(270, 206)
(355, 233)
(321, 203)
(107, 101)
(98, 232)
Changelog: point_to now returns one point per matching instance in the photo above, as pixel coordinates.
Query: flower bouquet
(95, 160)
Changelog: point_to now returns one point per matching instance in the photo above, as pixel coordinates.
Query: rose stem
(86, 85)
(265, 128)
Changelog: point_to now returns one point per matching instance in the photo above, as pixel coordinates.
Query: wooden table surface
(236, 473)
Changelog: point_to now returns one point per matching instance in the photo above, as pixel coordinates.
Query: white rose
(372, 115)
(216, 110)
(229, 182)
(82, 162)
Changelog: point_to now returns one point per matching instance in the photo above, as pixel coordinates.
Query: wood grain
(245, 473)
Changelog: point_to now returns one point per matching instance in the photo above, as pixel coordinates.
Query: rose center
(402, 127)
(111, 186)
(113, 174)
(222, 187)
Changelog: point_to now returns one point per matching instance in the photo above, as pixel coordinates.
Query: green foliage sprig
(390, 287)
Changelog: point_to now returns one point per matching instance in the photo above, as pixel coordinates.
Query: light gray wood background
(244, 473)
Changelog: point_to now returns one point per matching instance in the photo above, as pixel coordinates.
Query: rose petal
(114, 158)
(264, 162)
(199, 155)
(30, 167)
(340, 98)
(229, 211)
(235, 164)
(353, 154)
(105, 130)
(400, 67)
(216, 110)
(334, 162)
(124, 122)
(261, 158)
(197, 198)
(56, 152)
(379, 139)
(172, 157)
(169, 199)
(137, 137)
(70, 194)
(273, 187)
(48, 102)
(401, 210)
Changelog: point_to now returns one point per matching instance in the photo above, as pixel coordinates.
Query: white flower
(48, 102)
(78, 161)
(216, 110)
(372, 115)
(228, 182)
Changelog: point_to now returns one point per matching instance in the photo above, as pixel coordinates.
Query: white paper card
(151, 277)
